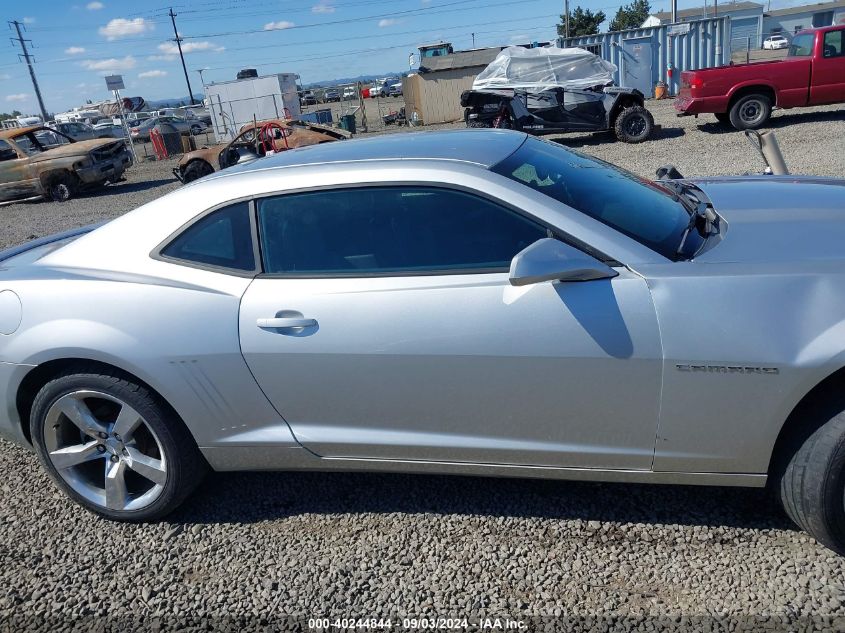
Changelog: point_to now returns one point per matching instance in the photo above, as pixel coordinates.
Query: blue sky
(76, 43)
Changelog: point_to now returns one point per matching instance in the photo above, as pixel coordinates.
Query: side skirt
(238, 458)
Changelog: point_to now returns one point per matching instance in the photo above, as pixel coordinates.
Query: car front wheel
(113, 447)
(811, 483)
(634, 125)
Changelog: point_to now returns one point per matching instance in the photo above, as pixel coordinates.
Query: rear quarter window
(221, 239)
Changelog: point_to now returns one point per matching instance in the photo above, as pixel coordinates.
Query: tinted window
(833, 44)
(222, 238)
(802, 45)
(387, 230)
(632, 205)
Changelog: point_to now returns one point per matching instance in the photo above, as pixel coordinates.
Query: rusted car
(252, 142)
(39, 161)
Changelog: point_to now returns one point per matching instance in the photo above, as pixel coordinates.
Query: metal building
(645, 56)
(233, 104)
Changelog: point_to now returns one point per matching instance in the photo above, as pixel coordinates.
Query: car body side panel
(463, 368)
(743, 344)
(178, 334)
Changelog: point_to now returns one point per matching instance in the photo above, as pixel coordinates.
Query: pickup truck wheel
(633, 125)
(750, 112)
(61, 188)
(196, 170)
(812, 484)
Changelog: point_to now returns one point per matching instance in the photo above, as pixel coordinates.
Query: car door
(828, 78)
(385, 327)
(17, 176)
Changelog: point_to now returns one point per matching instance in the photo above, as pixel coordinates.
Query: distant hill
(174, 103)
(351, 80)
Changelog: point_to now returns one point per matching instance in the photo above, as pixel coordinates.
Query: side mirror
(552, 260)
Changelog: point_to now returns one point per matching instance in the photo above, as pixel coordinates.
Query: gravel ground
(250, 550)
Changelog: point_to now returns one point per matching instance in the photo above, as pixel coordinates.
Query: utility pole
(20, 40)
(473, 40)
(566, 19)
(179, 46)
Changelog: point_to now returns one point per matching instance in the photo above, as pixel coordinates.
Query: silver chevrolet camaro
(473, 302)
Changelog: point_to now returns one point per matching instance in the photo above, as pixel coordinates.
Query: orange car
(251, 143)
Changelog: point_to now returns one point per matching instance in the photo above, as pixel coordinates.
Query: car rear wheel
(811, 484)
(750, 112)
(113, 447)
(196, 170)
(634, 125)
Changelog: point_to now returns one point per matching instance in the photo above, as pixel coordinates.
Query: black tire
(185, 464)
(503, 123)
(812, 483)
(633, 125)
(750, 112)
(195, 170)
(62, 187)
(723, 118)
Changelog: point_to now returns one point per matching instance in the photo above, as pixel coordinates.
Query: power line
(20, 40)
(179, 46)
(363, 19)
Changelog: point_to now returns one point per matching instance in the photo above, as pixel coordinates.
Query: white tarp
(542, 68)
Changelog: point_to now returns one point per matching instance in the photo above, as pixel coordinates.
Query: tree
(630, 16)
(581, 22)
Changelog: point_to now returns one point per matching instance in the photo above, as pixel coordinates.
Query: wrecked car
(29, 167)
(552, 91)
(252, 142)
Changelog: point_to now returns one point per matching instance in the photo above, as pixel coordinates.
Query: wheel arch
(626, 100)
(823, 401)
(43, 373)
(756, 88)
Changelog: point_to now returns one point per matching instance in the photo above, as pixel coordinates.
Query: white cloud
(18, 97)
(110, 65)
(387, 22)
(74, 50)
(170, 48)
(152, 74)
(323, 7)
(5, 76)
(121, 27)
(29, 20)
(94, 6)
(278, 26)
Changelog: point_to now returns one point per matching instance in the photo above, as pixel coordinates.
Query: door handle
(283, 323)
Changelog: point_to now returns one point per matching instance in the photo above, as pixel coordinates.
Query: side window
(222, 238)
(833, 44)
(385, 230)
(7, 152)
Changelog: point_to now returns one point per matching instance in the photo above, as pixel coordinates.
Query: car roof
(485, 147)
(18, 131)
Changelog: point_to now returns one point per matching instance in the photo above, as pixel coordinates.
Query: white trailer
(233, 104)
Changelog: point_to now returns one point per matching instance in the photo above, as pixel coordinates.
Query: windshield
(639, 208)
(802, 45)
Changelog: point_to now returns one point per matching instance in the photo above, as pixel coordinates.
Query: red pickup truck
(813, 73)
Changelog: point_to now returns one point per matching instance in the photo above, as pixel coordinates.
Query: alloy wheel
(105, 450)
(635, 125)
